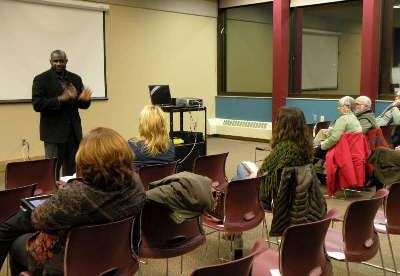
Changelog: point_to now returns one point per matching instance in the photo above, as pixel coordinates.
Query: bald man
(58, 94)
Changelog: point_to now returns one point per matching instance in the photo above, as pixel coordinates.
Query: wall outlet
(24, 142)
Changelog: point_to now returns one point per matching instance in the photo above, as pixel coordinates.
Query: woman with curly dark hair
(106, 190)
(291, 146)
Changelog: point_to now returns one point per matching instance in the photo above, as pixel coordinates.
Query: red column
(280, 83)
(370, 49)
(298, 52)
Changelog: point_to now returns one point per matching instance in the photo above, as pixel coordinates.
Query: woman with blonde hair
(106, 190)
(153, 145)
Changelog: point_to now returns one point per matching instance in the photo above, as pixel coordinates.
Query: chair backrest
(387, 133)
(91, 250)
(310, 128)
(243, 210)
(152, 173)
(321, 125)
(240, 267)
(359, 235)
(392, 209)
(212, 166)
(42, 172)
(302, 250)
(376, 139)
(161, 237)
(10, 200)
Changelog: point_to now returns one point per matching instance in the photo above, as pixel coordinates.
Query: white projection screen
(320, 61)
(30, 31)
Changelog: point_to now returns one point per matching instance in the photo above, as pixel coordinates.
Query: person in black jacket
(57, 94)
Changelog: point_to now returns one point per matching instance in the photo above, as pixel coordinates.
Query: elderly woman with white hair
(346, 122)
(364, 113)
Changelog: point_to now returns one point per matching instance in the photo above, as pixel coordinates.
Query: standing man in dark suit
(57, 94)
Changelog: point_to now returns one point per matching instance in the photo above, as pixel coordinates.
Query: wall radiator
(240, 128)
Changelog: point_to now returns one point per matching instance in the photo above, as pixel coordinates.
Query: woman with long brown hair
(291, 146)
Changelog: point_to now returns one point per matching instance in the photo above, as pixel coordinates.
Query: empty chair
(42, 172)
(264, 149)
(388, 222)
(301, 252)
(320, 125)
(92, 250)
(152, 173)
(240, 267)
(162, 238)
(358, 241)
(10, 200)
(212, 166)
(242, 208)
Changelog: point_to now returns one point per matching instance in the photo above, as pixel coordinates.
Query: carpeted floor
(207, 255)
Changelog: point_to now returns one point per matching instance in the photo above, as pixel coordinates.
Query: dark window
(245, 50)
(390, 48)
(326, 49)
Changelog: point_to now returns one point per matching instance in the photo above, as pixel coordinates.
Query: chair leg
(167, 268)
(265, 227)
(231, 248)
(380, 255)
(219, 243)
(347, 268)
(391, 251)
(181, 264)
(8, 266)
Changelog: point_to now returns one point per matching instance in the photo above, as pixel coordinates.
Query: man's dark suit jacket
(57, 119)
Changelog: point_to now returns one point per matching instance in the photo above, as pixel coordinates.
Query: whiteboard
(30, 32)
(320, 61)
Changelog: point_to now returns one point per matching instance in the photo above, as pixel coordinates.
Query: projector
(192, 102)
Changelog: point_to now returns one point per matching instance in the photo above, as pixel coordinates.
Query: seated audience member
(106, 190)
(391, 114)
(364, 114)
(291, 146)
(346, 122)
(153, 145)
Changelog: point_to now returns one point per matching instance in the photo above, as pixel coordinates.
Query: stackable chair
(358, 240)
(388, 221)
(320, 125)
(152, 173)
(301, 252)
(162, 238)
(212, 166)
(257, 149)
(10, 200)
(314, 128)
(242, 208)
(387, 133)
(240, 267)
(95, 249)
(42, 172)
